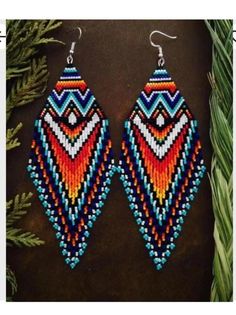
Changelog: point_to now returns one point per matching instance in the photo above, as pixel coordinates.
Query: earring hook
(161, 60)
(72, 48)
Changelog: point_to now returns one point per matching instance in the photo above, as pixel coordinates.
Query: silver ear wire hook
(72, 48)
(161, 60)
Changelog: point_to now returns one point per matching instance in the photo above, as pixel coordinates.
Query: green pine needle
(19, 238)
(26, 72)
(11, 279)
(221, 134)
(16, 208)
(28, 87)
(12, 141)
(23, 40)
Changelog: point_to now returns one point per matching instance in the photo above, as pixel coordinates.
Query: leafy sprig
(12, 141)
(16, 208)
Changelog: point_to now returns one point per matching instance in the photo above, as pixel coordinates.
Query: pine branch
(19, 238)
(16, 206)
(11, 279)
(26, 72)
(12, 142)
(23, 40)
(29, 87)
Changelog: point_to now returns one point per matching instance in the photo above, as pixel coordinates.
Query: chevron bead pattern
(161, 164)
(71, 162)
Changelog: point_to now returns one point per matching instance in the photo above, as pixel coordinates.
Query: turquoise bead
(72, 265)
(51, 219)
(167, 253)
(84, 245)
(142, 230)
(156, 260)
(148, 245)
(151, 253)
(90, 224)
(86, 233)
(176, 234)
(159, 266)
(163, 260)
(172, 245)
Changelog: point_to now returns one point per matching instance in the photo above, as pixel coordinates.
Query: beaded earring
(71, 161)
(161, 162)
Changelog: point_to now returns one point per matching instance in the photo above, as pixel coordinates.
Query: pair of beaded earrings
(71, 161)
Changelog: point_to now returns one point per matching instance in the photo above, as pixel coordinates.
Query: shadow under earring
(71, 160)
(161, 162)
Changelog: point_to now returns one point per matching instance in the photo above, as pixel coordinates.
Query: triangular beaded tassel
(71, 162)
(161, 163)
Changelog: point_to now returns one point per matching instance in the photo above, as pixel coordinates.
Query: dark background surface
(116, 60)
